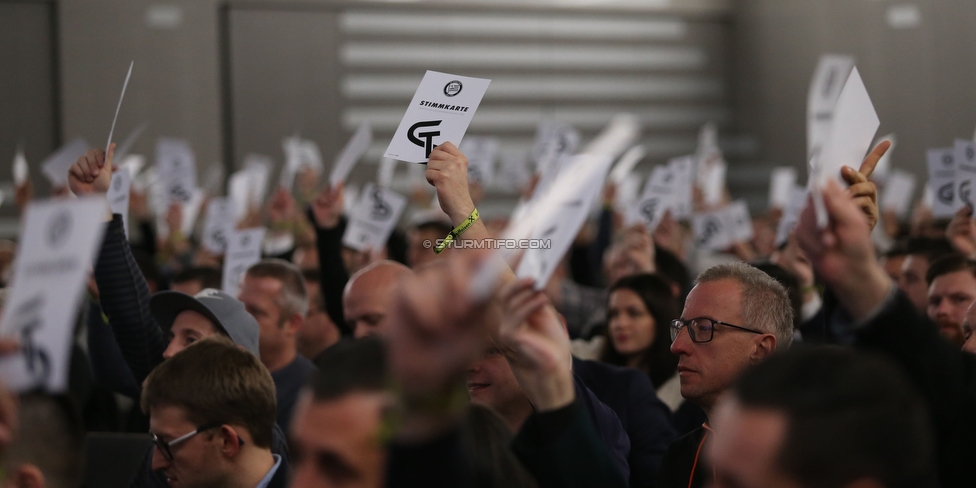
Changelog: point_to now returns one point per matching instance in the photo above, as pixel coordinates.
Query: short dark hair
(209, 277)
(850, 415)
(792, 285)
(656, 293)
(950, 263)
(216, 381)
(354, 365)
(293, 297)
(930, 247)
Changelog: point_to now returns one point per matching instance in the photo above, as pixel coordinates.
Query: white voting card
(781, 183)
(942, 181)
(481, 153)
(712, 177)
(513, 173)
(299, 153)
(218, 224)
(20, 170)
(56, 166)
(654, 201)
(852, 129)
(54, 256)
(710, 230)
(683, 181)
(354, 150)
(625, 165)
(554, 141)
(825, 87)
(373, 218)
(738, 221)
(385, 172)
(177, 168)
(791, 214)
(440, 111)
(898, 192)
(966, 172)
(118, 196)
(557, 225)
(258, 168)
(238, 190)
(243, 250)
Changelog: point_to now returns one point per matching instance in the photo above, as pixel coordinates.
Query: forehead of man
(375, 282)
(718, 300)
(955, 282)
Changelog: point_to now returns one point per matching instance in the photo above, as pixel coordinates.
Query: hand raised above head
(447, 170)
(92, 173)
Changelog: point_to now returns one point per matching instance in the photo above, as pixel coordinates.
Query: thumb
(109, 157)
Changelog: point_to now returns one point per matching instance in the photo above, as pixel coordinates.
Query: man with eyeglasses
(211, 413)
(734, 317)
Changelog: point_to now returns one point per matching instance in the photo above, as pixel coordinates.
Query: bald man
(367, 296)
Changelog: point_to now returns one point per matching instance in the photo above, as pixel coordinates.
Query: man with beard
(952, 289)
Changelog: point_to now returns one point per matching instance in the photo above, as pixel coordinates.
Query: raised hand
(447, 170)
(862, 189)
(92, 173)
(843, 254)
(327, 207)
(281, 207)
(536, 345)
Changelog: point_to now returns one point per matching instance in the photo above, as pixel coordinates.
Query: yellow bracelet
(457, 231)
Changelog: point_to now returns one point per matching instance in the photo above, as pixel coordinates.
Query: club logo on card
(58, 229)
(424, 139)
(648, 209)
(710, 230)
(964, 193)
(946, 193)
(947, 159)
(27, 319)
(452, 88)
(381, 209)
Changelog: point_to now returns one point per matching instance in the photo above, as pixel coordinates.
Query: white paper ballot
(258, 168)
(299, 153)
(852, 129)
(191, 210)
(481, 153)
(898, 193)
(118, 196)
(353, 151)
(56, 166)
(791, 214)
(710, 230)
(558, 221)
(626, 164)
(654, 201)
(20, 169)
(385, 172)
(781, 184)
(133, 164)
(713, 181)
(238, 190)
(942, 181)
(513, 173)
(177, 168)
(218, 224)
(965, 153)
(554, 142)
(825, 88)
(243, 250)
(738, 221)
(683, 181)
(373, 218)
(883, 167)
(440, 111)
(627, 194)
(57, 244)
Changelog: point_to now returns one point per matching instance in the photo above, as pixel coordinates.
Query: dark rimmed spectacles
(702, 329)
(166, 447)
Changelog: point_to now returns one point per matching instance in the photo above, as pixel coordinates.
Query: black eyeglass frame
(166, 447)
(678, 324)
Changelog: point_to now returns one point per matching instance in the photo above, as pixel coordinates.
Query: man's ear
(765, 346)
(295, 322)
(231, 442)
(28, 476)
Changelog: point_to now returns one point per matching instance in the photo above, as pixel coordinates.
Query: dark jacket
(645, 418)
(684, 464)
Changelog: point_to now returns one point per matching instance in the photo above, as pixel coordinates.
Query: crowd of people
(643, 362)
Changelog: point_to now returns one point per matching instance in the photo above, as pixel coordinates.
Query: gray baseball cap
(225, 311)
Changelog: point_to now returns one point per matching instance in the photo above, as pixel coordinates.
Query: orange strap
(701, 444)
